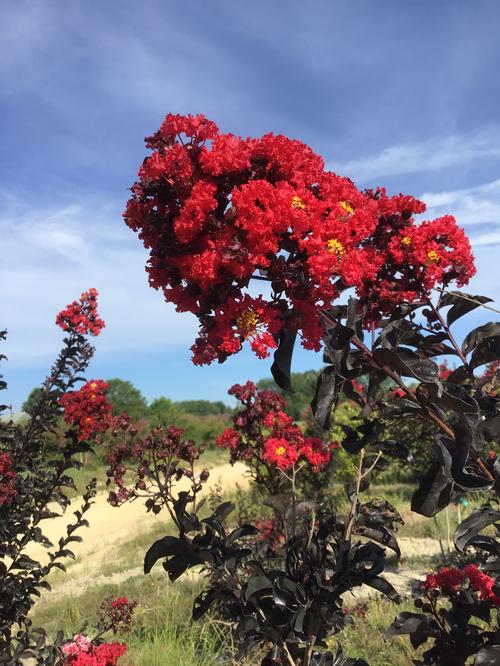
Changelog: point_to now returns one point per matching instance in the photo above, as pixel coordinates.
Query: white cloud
(51, 255)
(477, 210)
(471, 206)
(432, 154)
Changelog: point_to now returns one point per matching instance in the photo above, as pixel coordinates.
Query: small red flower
(315, 452)
(83, 653)
(280, 452)
(88, 409)
(116, 614)
(81, 316)
(7, 480)
(450, 579)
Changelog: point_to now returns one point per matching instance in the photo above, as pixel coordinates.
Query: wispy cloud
(50, 255)
(477, 209)
(433, 154)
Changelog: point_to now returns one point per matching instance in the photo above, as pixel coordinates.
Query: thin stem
(440, 539)
(288, 655)
(354, 502)
(260, 277)
(446, 328)
(311, 531)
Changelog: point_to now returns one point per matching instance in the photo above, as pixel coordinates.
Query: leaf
(434, 491)
(257, 585)
(459, 375)
(206, 598)
(460, 458)
(381, 534)
(405, 623)
(282, 363)
(223, 511)
(163, 548)
(240, 532)
(477, 335)
(407, 364)
(175, 567)
(25, 562)
(473, 524)
(382, 585)
(487, 351)
(337, 339)
(453, 397)
(460, 305)
(325, 395)
(488, 656)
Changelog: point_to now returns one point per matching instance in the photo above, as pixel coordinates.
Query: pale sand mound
(109, 525)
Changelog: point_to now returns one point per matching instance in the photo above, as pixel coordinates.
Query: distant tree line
(202, 420)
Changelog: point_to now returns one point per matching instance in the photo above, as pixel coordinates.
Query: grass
(162, 631)
(365, 638)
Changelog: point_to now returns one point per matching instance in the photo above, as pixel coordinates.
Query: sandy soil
(111, 525)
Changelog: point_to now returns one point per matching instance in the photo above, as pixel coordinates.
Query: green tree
(164, 412)
(31, 401)
(303, 384)
(126, 398)
(202, 407)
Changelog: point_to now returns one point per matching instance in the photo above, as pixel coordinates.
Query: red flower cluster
(81, 316)
(444, 371)
(81, 652)
(116, 614)
(270, 532)
(263, 433)
(215, 209)
(88, 409)
(449, 580)
(7, 479)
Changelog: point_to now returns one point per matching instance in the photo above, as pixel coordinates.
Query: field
(109, 562)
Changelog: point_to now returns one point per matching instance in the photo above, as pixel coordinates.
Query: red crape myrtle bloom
(116, 614)
(7, 480)
(215, 210)
(81, 316)
(263, 434)
(279, 451)
(81, 652)
(88, 409)
(449, 581)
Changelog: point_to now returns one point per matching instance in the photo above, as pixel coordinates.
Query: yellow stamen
(335, 247)
(280, 450)
(247, 323)
(347, 207)
(406, 240)
(93, 386)
(298, 203)
(433, 256)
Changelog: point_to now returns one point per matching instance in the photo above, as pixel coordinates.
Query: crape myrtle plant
(34, 485)
(216, 212)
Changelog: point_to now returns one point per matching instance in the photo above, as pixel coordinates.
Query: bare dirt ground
(111, 528)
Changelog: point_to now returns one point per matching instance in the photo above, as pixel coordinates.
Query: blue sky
(404, 95)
